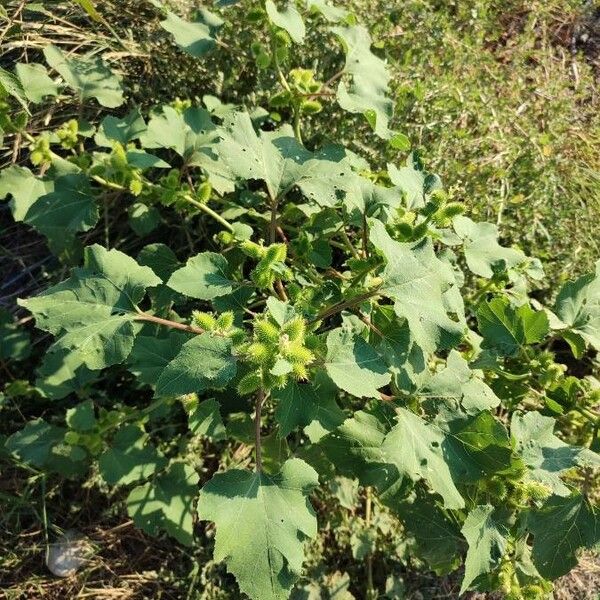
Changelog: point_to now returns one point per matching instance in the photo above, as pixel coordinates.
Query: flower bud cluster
(277, 353)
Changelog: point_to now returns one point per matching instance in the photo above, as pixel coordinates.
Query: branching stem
(260, 398)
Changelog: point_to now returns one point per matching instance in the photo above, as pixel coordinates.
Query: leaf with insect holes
(270, 514)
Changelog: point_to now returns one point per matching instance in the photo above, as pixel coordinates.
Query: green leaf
(81, 417)
(12, 86)
(33, 444)
(370, 77)
(271, 515)
(416, 449)
(204, 362)
(362, 543)
(90, 9)
(143, 219)
(487, 545)
(546, 455)
(506, 329)
(151, 354)
(578, 307)
(194, 37)
(354, 365)
(93, 312)
(282, 163)
(457, 381)
(287, 18)
(57, 208)
(125, 130)
(560, 528)
(130, 457)
(405, 359)
(329, 11)
(62, 373)
(205, 419)
(35, 81)
(437, 536)
(160, 258)
(191, 134)
(15, 343)
(24, 187)
(205, 276)
(65, 211)
(484, 255)
(89, 77)
(419, 284)
(299, 404)
(166, 503)
(416, 183)
(355, 448)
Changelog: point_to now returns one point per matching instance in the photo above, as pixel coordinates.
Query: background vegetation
(502, 101)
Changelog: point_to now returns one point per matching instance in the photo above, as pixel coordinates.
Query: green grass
(506, 109)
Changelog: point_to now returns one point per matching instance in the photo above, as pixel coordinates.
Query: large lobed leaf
(270, 515)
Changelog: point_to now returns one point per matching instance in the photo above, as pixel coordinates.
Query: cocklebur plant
(323, 311)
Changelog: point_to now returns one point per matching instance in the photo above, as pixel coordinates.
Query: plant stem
(273, 222)
(108, 184)
(349, 243)
(209, 211)
(281, 290)
(365, 236)
(167, 323)
(368, 508)
(340, 306)
(259, 402)
(297, 130)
